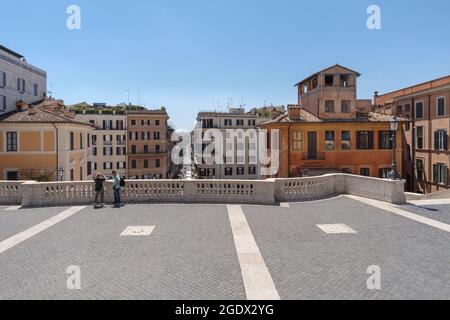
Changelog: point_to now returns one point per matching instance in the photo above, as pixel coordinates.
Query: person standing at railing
(99, 190)
(116, 189)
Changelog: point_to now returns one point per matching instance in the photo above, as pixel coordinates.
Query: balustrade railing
(271, 191)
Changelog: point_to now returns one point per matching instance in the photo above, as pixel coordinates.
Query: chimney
(21, 106)
(294, 112)
(375, 97)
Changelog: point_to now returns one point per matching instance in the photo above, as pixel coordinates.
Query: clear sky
(193, 55)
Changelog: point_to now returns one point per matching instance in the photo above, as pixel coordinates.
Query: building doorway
(312, 145)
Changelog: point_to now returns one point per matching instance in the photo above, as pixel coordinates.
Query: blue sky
(194, 55)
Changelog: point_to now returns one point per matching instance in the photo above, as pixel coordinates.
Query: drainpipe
(289, 150)
(430, 141)
(57, 151)
(413, 146)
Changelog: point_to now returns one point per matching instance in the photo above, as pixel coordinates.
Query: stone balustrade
(10, 193)
(265, 192)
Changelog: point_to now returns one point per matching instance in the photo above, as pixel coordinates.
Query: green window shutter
(370, 139)
(436, 140)
(445, 175)
(445, 140)
(435, 173)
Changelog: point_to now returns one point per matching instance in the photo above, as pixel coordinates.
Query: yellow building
(43, 142)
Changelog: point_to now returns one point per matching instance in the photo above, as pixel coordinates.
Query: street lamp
(394, 175)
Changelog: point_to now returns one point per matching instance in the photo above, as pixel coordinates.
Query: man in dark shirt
(99, 189)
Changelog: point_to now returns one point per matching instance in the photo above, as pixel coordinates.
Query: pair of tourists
(100, 189)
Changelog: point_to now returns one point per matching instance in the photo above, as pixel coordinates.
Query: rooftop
(411, 90)
(11, 52)
(41, 112)
(324, 70)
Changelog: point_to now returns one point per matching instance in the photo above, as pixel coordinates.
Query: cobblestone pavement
(437, 212)
(191, 253)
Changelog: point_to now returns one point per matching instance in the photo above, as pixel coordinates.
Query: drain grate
(336, 228)
(138, 231)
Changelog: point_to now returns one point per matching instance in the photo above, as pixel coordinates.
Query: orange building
(427, 156)
(148, 146)
(331, 131)
(43, 142)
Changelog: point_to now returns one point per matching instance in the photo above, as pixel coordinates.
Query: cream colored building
(45, 143)
(230, 123)
(109, 141)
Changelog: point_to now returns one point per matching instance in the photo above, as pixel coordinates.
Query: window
(251, 123)
(440, 174)
(2, 79)
(419, 110)
(420, 137)
(35, 90)
(344, 80)
(252, 170)
(384, 173)
(72, 176)
(157, 135)
(157, 123)
(94, 151)
(2, 103)
(158, 163)
(157, 148)
(329, 80)
(228, 171)
(364, 172)
(420, 168)
(107, 166)
(228, 122)
(119, 125)
(297, 140)
(81, 173)
(145, 149)
(240, 123)
(329, 140)
(72, 142)
(346, 106)
(399, 110)
(329, 106)
(240, 171)
(81, 141)
(407, 108)
(145, 135)
(11, 141)
(133, 164)
(440, 140)
(145, 164)
(385, 140)
(364, 140)
(88, 140)
(133, 122)
(108, 151)
(346, 140)
(121, 165)
(133, 149)
(441, 106)
(21, 85)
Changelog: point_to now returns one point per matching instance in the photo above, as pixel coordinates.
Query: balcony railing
(265, 192)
